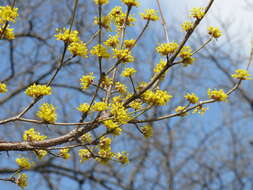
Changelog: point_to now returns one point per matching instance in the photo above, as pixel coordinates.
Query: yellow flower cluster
(197, 13)
(159, 97)
(99, 106)
(200, 109)
(86, 81)
(8, 33)
(167, 48)
(214, 32)
(150, 14)
(32, 135)
(23, 163)
(3, 88)
(186, 55)
(100, 51)
(38, 90)
(112, 41)
(241, 74)
(187, 26)
(78, 49)
(47, 113)
(83, 107)
(84, 155)
(147, 131)
(180, 110)
(159, 67)
(101, 2)
(105, 22)
(122, 158)
(41, 154)
(136, 104)
(129, 43)
(112, 127)
(121, 87)
(67, 36)
(123, 55)
(64, 153)
(128, 72)
(192, 98)
(218, 95)
(119, 18)
(86, 138)
(119, 112)
(8, 14)
(104, 156)
(105, 143)
(21, 181)
(131, 3)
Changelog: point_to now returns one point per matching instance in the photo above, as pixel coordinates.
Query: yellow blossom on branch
(121, 87)
(241, 74)
(187, 26)
(67, 36)
(64, 153)
(128, 72)
(86, 81)
(38, 90)
(129, 43)
(41, 154)
(119, 113)
(8, 14)
(99, 106)
(32, 135)
(86, 138)
(100, 51)
(83, 107)
(84, 155)
(218, 95)
(3, 88)
(105, 143)
(123, 55)
(105, 22)
(147, 131)
(21, 181)
(150, 14)
(101, 2)
(197, 13)
(192, 98)
(112, 127)
(180, 110)
(122, 158)
(8, 33)
(78, 49)
(23, 163)
(47, 113)
(214, 32)
(131, 3)
(167, 48)
(112, 41)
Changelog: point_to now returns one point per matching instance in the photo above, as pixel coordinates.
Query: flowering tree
(112, 99)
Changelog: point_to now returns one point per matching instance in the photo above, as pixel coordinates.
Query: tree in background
(76, 93)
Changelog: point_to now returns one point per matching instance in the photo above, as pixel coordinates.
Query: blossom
(101, 2)
(86, 81)
(128, 72)
(8, 33)
(150, 14)
(187, 26)
(218, 95)
(84, 155)
(214, 32)
(105, 143)
(122, 158)
(159, 97)
(197, 13)
(241, 74)
(67, 36)
(100, 51)
(160, 66)
(47, 113)
(41, 154)
(21, 181)
(8, 14)
(32, 135)
(200, 109)
(99, 106)
(121, 87)
(131, 3)
(116, 12)
(3, 88)
(147, 131)
(167, 48)
(105, 22)
(119, 113)
(129, 43)
(136, 104)
(112, 41)
(86, 138)
(192, 98)
(64, 153)
(123, 55)
(78, 49)
(23, 163)
(38, 90)
(104, 156)
(120, 19)
(83, 107)
(112, 127)
(180, 110)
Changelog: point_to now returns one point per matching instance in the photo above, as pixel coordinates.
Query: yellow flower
(159, 67)
(83, 107)
(106, 81)
(67, 36)
(121, 19)
(3, 88)
(121, 87)
(167, 48)
(86, 81)
(105, 143)
(38, 90)
(86, 138)
(218, 95)
(131, 3)
(47, 113)
(123, 55)
(116, 12)
(158, 98)
(150, 14)
(128, 72)
(32, 135)
(21, 181)
(101, 2)
(100, 51)
(99, 106)
(112, 41)
(64, 153)
(104, 156)
(187, 26)
(147, 131)
(40, 154)
(200, 109)
(120, 113)
(112, 127)
(8, 33)
(23, 163)
(78, 49)
(105, 22)
(192, 98)
(122, 158)
(8, 14)
(136, 104)
(241, 74)
(129, 43)
(214, 32)
(197, 13)
(84, 155)
(180, 109)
